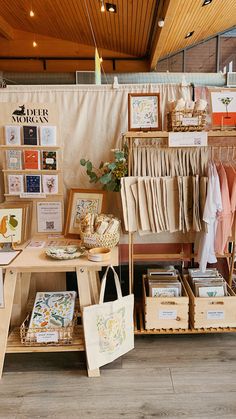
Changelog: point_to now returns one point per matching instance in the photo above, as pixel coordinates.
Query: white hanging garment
(213, 205)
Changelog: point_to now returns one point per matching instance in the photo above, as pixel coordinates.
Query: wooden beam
(168, 13)
(6, 30)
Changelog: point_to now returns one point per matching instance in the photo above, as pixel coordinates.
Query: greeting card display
(12, 134)
(48, 135)
(15, 184)
(50, 184)
(13, 158)
(31, 159)
(30, 135)
(49, 159)
(33, 183)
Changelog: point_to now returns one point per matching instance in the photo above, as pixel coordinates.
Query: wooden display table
(35, 260)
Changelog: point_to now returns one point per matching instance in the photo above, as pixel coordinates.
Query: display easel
(217, 140)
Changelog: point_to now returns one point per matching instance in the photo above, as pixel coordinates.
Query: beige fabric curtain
(91, 118)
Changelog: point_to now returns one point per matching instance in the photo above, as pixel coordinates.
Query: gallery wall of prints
(30, 170)
(90, 120)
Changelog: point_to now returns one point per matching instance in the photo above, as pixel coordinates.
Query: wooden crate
(165, 313)
(211, 312)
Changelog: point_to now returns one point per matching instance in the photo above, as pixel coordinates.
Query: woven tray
(109, 240)
(34, 336)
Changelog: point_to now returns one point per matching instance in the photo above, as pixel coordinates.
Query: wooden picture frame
(80, 202)
(144, 112)
(223, 108)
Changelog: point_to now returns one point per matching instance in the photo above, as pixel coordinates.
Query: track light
(111, 7)
(102, 6)
(206, 2)
(189, 34)
(31, 13)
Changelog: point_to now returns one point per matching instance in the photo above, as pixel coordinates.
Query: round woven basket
(100, 240)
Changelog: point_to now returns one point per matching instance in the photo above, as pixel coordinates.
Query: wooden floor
(164, 376)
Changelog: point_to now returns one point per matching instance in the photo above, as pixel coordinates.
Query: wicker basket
(181, 120)
(91, 240)
(33, 336)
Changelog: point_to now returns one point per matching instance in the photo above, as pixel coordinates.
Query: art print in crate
(108, 327)
(53, 309)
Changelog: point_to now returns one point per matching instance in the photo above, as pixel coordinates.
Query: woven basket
(175, 120)
(100, 240)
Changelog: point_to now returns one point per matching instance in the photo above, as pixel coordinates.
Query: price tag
(167, 314)
(215, 315)
(46, 337)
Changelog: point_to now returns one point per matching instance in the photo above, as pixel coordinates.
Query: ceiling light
(206, 2)
(102, 6)
(111, 7)
(160, 23)
(189, 34)
(31, 13)
(35, 44)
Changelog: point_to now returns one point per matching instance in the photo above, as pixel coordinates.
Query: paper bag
(108, 327)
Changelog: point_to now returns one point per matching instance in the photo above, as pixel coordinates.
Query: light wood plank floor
(164, 376)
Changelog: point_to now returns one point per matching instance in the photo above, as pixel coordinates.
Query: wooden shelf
(40, 147)
(139, 326)
(164, 134)
(31, 197)
(29, 171)
(14, 344)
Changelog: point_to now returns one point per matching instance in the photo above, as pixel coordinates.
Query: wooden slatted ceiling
(204, 21)
(126, 31)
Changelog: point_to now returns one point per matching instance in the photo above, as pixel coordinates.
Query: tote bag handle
(103, 285)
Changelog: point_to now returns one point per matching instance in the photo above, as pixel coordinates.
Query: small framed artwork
(15, 184)
(144, 112)
(223, 108)
(81, 202)
(48, 135)
(12, 134)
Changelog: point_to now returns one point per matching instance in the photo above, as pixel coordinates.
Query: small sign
(188, 139)
(215, 315)
(190, 121)
(32, 195)
(168, 314)
(46, 337)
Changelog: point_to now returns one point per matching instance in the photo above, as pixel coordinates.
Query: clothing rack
(221, 147)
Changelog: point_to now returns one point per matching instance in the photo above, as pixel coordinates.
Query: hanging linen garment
(231, 178)
(212, 207)
(224, 217)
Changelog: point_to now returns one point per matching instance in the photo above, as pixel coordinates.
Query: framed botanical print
(81, 202)
(144, 112)
(223, 108)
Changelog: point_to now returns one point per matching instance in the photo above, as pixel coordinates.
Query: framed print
(80, 202)
(144, 112)
(223, 108)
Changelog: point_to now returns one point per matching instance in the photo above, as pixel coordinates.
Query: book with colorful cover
(30, 135)
(53, 309)
(31, 159)
(49, 160)
(13, 158)
(33, 183)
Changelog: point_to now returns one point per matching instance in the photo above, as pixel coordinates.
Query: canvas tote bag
(108, 327)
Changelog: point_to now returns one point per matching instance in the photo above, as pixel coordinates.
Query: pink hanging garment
(224, 216)
(231, 178)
